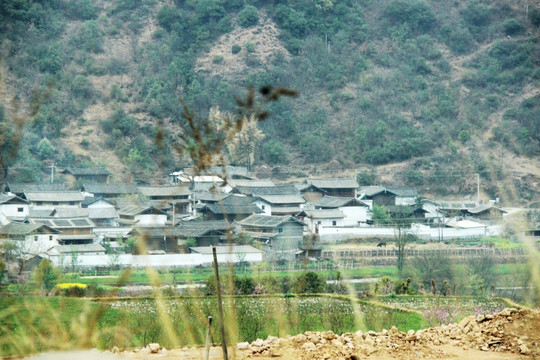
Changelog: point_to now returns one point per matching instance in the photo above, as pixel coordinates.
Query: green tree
(191, 242)
(379, 215)
(310, 283)
(248, 16)
(366, 178)
(46, 275)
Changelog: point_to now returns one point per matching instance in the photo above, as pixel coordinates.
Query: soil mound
(511, 331)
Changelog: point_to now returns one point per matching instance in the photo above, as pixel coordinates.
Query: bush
(235, 49)
(513, 27)
(534, 17)
(248, 16)
(250, 47)
(218, 59)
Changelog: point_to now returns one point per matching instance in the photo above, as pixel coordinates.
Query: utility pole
(52, 172)
(220, 306)
(478, 188)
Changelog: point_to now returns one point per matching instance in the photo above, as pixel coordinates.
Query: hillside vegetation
(438, 86)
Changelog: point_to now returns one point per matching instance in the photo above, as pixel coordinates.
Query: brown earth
(510, 334)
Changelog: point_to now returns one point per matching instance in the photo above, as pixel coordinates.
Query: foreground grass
(37, 324)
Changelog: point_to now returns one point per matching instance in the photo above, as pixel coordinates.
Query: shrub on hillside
(248, 16)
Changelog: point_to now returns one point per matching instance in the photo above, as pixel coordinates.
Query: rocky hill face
(425, 93)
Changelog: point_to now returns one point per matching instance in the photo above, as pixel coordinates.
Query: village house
(52, 199)
(382, 196)
(488, 212)
(73, 230)
(356, 212)
(317, 218)
(156, 240)
(231, 208)
(101, 211)
(205, 233)
(90, 175)
(29, 238)
(110, 191)
(279, 204)
(67, 251)
(455, 207)
(139, 214)
(280, 236)
(14, 207)
(199, 200)
(310, 192)
(177, 196)
(344, 187)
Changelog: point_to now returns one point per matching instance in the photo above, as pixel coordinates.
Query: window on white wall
(334, 222)
(20, 209)
(35, 238)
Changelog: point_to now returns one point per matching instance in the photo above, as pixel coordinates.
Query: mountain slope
(437, 88)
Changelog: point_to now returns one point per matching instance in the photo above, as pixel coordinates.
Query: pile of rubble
(512, 330)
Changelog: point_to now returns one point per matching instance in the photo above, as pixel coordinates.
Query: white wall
(404, 200)
(32, 246)
(156, 261)
(324, 223)
(11, 210)
(100, 204)
(50, 206)
(425, 232)
(354, 215)
(151, 220)
(264, 206)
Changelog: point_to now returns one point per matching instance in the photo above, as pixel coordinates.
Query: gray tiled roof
(199, 228)
(135, 208)
(153, 232)
(102, 213)
(62, 211)
(19, 188)
(250, 183)
(208, 196)
(51, 196)
(79, 248)
(11, 199)
(64, 223)
(290, 210)
(404, 192)
(111, 189)
(283, 199)
(482, 208)
(334, 183)
(165, 191)
(24, 229)
(234, 204)
(267, 221)
(372, 190)
(86, 171)
(325, 214)
(334, 202)
(268, 190)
